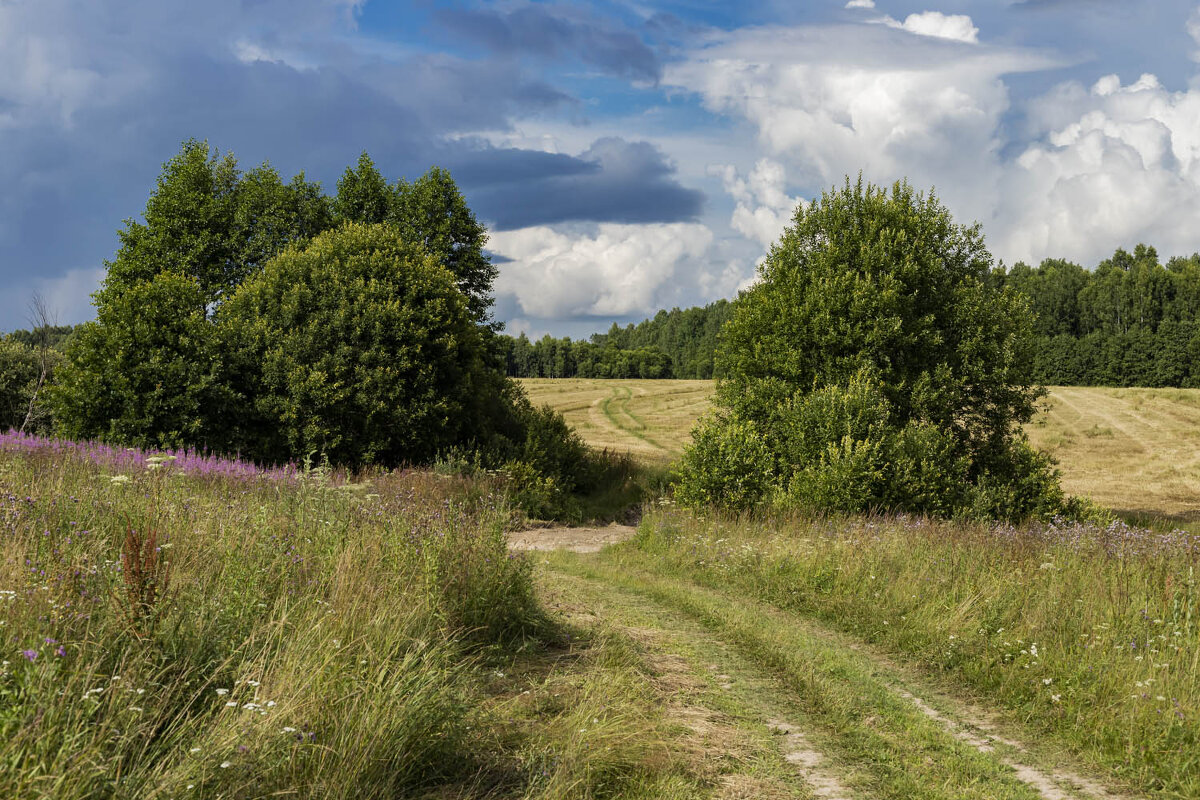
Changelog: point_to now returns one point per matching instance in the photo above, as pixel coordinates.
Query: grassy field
(652, 419)
(197, 628)
(1134, 450)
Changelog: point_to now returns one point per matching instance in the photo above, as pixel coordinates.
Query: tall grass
(228, 633)
(1091, 634)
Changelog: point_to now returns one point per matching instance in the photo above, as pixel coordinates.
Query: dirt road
(775, 705)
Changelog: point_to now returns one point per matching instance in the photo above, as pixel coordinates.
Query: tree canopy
(358, 346)
(875, 365)
(165, 364)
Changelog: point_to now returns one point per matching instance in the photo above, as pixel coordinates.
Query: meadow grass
(651, 419)
(1136, 451)
(191, 629)
(1090, 635)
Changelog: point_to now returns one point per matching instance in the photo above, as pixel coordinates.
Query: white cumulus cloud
(861, 4)
(830, 101)
(1114, 165)
(763, 206)
(612, 270)
(943, 26)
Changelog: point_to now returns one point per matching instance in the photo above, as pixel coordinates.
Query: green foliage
(675, 344)
(363, 194)
(1130, 322)
(19, 370)
(357, 346)
(728, 465)
(429, 211)
(432, 211)
(53, 335)
(880, 368)
(208, 221)
(145, 371)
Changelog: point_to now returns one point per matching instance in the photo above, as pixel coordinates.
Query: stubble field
(1136, 451)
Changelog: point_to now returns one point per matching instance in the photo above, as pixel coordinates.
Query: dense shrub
(18, 375)
(358, 347)
(727, 465)
(879, 367)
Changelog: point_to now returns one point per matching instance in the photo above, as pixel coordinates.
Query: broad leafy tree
(145, 372)
(207, 220)
(363, 194)
(358, 347)
(432, 212)
(880, 366)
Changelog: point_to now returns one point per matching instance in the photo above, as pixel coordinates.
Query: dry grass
(651, 419)
(1134, 450)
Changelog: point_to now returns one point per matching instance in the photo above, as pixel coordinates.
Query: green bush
(358, 347)
(875, 366)
(144, 372)
(18, 376)
(728, 465)
(928, 471)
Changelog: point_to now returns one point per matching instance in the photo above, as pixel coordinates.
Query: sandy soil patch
(577, 540)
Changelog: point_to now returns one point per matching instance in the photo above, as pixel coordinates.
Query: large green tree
(145, 371)
(432, 211)
(207, 220)
(875, 365)
(357, 346)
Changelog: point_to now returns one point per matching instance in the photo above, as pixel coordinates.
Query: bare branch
(41, 319)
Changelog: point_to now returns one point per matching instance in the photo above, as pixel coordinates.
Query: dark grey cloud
(616, 181)
(551, 32)
(489, 167)
(87, 121)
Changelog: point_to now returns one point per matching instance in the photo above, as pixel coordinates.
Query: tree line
(1132, 321)
(249, 315)
(680, 343)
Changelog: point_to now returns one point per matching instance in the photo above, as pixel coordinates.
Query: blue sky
(627, 156)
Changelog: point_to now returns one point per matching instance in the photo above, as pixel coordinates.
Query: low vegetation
(1087, 633)
(178, 625)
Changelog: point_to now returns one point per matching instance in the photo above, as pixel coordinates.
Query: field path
(842, 720)
(575, 540)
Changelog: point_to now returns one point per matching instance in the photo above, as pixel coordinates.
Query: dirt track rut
(682, 634)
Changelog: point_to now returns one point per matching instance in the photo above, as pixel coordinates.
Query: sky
(625, 156)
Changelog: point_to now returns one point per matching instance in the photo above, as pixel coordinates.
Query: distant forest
(1132, 321)
(674, 344)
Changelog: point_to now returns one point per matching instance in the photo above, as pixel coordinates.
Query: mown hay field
(1132, 450)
